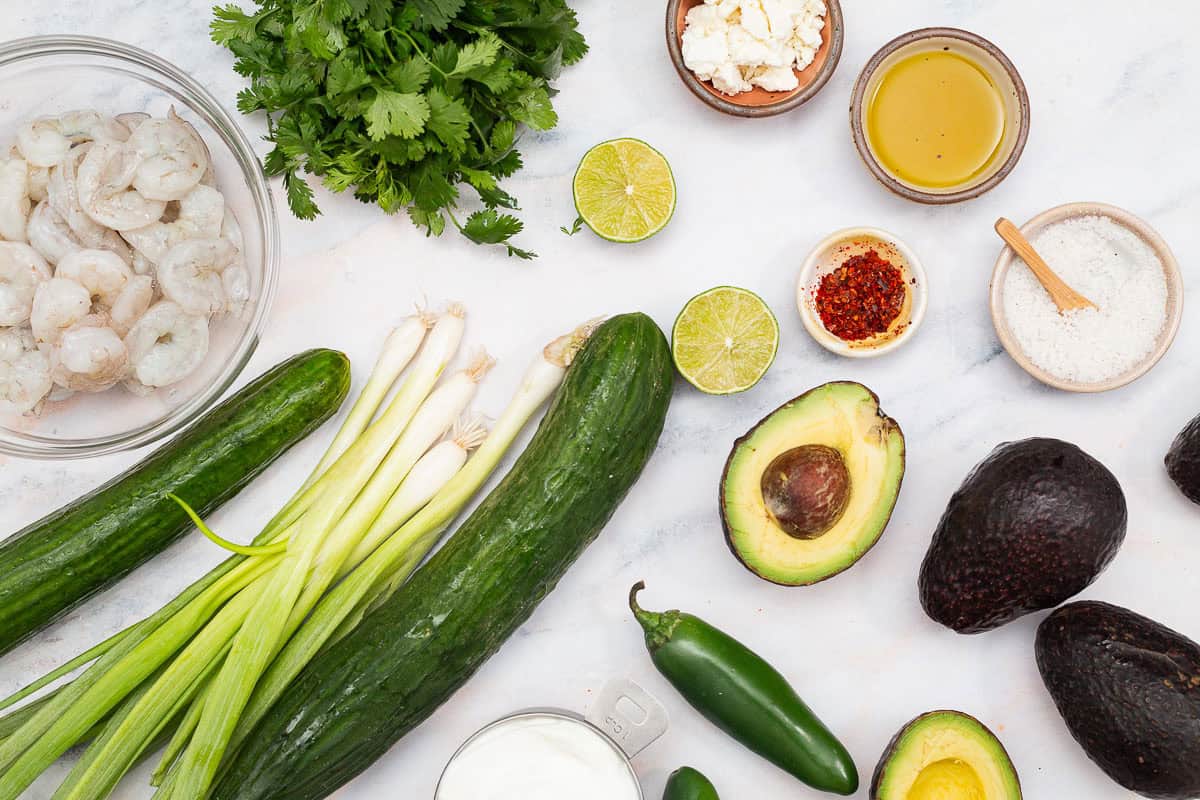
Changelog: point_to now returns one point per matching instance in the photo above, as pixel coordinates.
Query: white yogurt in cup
(553, 755)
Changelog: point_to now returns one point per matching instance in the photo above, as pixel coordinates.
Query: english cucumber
(405, 659)
(54, 564)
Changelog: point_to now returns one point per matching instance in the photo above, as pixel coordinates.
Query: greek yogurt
(541, 756)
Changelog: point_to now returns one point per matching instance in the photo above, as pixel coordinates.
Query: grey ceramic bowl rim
(1125, 219)
(205, 105)
(889, 180)
(837, 37)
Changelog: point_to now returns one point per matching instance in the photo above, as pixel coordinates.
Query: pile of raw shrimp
(117, 251)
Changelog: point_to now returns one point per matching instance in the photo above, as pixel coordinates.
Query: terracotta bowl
(829, 254)
(1002, 73)
(1126, 220)
(759, 102)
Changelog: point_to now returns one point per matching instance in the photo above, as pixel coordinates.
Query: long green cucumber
(54, 564)
(406, 658)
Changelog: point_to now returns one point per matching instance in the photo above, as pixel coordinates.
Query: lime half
(724, 340)
(624, 190)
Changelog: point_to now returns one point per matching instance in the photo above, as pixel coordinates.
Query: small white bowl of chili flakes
(862, 292)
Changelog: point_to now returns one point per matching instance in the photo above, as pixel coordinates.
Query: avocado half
(809, 489)
(945, 755)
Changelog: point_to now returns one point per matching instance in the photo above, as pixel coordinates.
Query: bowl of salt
(1118, 262)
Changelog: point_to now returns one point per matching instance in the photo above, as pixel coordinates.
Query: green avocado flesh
(945, 755)
(810, 488)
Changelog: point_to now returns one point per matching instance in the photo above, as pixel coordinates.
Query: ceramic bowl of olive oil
(940, 115)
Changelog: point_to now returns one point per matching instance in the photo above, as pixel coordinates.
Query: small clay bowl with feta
(750, 95)
(862, 293)
(1120, 263)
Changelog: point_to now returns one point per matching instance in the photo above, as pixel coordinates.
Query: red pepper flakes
(861, 298)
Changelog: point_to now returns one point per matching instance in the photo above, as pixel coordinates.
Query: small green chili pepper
(746, 697)
(686, 783)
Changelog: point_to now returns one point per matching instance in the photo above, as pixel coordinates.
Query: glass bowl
(47, 75)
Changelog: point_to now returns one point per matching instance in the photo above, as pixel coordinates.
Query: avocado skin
(1129, 691)
(1033, 525)
(1183, 460)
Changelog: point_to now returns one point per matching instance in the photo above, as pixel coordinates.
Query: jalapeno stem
(659, 626)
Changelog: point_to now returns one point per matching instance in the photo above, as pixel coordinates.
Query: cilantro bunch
(404, 102)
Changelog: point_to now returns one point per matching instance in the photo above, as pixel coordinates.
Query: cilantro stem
(421, 53)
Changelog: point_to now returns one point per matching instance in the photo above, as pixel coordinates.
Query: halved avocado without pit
(945, 755)
(808, 491)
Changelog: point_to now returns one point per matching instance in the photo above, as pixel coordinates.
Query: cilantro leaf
(409, 75)
(401, 103)
(347, 74)
(300, 196)
(396, 113)
(437, 14)
(448, 120)
(532, 106)
(230, 23)
(490, 227)
(477, 55)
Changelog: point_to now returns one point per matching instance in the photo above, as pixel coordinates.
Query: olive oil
(936, 120)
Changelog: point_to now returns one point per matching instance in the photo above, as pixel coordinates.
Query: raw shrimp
(24, 372)
(232, 230)
(62, 191)
(141, 265)
(235, 280)
(103, 273)
(171, 156)
(89, 358)
(59, 304)
(45, 141)
(190, 274)
(200, 215)
(38, 176)
(166, 345)
(22, 271)
(132, 303)
(105, 192)
(131, 119)
(14, 199)
(49, 233)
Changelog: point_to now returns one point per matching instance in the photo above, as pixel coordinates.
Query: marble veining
(1112, 120)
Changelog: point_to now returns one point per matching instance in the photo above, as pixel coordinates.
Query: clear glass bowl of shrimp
(52, 76)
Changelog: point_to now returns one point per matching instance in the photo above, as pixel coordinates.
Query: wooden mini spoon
(1066, 298)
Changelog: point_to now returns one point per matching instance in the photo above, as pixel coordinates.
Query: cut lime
(724, 340)
(624, 190)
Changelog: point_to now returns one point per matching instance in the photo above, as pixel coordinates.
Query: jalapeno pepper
(746, 697)
(686, 783)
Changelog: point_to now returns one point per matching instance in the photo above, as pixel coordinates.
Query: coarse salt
(1115, 269)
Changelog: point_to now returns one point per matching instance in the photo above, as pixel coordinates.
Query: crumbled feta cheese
(776, 79)
(740, 44)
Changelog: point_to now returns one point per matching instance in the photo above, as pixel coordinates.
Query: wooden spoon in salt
(1066, 298)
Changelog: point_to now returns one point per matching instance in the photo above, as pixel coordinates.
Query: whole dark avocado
(1033, 524)
(1129, 691)
(1183, 460)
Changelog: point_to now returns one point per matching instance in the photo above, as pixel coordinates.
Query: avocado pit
(806, 490)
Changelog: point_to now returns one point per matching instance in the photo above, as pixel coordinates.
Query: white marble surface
(1114, 119)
